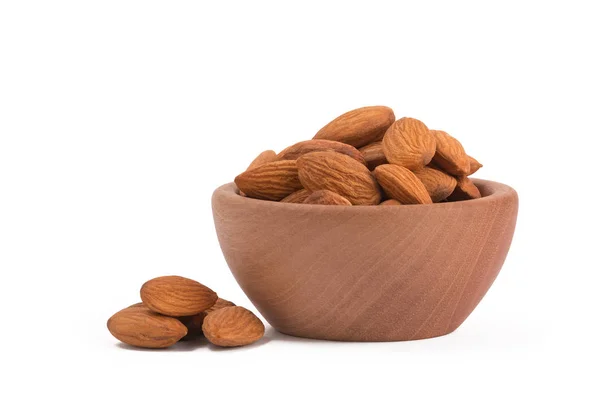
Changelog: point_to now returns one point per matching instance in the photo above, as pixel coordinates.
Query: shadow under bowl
(366, 273)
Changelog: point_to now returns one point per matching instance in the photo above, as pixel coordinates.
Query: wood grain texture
(366, 273)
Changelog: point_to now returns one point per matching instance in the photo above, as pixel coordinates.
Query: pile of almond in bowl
(175, 308)
(365, 157)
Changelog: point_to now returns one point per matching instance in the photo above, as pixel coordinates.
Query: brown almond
(409, 143)
(439, 185)
(297, 197)
(373, 154)
(221, 303)
(263, 158)
(450, 155)
(193, 323)
(474, 165)
(177, 296)
(271, 181)
(358, 127)
(401, 184)
(340, 174)
(232, 326)
(134, 307)
(139, 326)
(465, 190)
(390, 202)
(327, 197)
(308, 146)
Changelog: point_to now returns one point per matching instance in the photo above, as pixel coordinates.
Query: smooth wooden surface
(366, 273)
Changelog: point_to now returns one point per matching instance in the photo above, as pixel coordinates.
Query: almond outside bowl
(366, 273)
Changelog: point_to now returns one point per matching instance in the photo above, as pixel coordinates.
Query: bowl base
(367, 339)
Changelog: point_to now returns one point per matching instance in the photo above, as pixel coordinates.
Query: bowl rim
(494, 192)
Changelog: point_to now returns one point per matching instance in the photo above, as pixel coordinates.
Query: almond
(327, 197)
(474, 165)
(263, 158)
(340, 174)
(450, 155)
(390, 202)
(133, 307)
(401, 184)
(193, 323)
(308, 146)
(373, 154)
(139, 326)
(271, 181)
(409, 144)
(221, 303)
(232, 326)
(465, 190)
(297, 197)
(177, 296)
(439, 185)
(358, 127)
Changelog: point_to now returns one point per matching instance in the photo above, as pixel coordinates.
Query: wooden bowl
(366, 273)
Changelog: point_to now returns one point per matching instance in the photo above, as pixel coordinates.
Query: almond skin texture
(193, 323)
(373, 154)
(221, 303)
(308, 146)
(263, 158)
(465, 190)
(271, 181)
(474, 165)
(409, 143)
(297, 197)
(450, 155)
(401, 184)
(358, 127)
(232, 326)
(327, 197)
(177, 296)
(390, 202)
(139, 326)
(439, 185)
(340, 174)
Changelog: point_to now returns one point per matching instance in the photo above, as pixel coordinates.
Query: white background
(119, 118)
